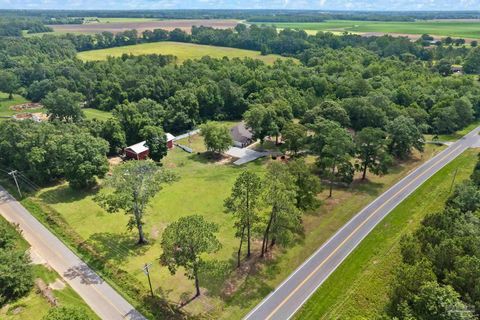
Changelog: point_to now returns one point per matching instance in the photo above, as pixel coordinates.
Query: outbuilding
(138, 151)
(170, 139)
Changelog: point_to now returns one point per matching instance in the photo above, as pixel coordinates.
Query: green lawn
(5, 104)
(182, 51)
(359, 288)
(202, 188)
(91, 113)
(34, 306)
(439, 28)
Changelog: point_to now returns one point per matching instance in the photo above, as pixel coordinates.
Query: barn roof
(139, 147)
(240, 133)
(169, 136)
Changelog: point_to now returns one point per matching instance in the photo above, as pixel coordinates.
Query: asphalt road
(101, 298)
(287, 298)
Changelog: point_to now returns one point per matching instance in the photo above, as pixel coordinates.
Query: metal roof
(139, 147)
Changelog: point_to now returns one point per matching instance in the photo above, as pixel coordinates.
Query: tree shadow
(65, 194)
(207, 157)
(83, 272)
(116, 247)
(162, 309)
(367, 186)
(213, 275)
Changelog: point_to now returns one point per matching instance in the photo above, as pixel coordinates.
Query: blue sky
(245, 4)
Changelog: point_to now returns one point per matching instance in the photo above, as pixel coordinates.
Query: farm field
(202, 188)
(359, 288)
(116, 25)
(34, 306)
(464, 29)
(183, 51)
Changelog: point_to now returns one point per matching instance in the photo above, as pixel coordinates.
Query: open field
(6, 103)
(91, 113)
(464, 29)
(359, 288)
(115, 20)
(201, 190)
(34, 306)
(182, 51)
(120, 24)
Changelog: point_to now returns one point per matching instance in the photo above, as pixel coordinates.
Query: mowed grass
(359, 288)
(91, 113)
(465, 29)
(6, 103)
(202, 188)
(183, 51)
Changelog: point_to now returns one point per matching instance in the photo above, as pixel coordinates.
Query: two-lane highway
(102, 298)
(287, 298)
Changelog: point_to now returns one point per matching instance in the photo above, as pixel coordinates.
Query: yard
(5, 104)
(182, 51)
(359, 288)
(202, 187)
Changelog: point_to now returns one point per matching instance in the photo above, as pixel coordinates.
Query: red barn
(170, 138)
(138, 151)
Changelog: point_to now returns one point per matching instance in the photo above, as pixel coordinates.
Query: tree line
(439, 277)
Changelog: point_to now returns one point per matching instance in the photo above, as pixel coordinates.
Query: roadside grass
(34, 306)
(91, 114)
(183, 51)
(359, 288)
(439, 28)
(204, 184)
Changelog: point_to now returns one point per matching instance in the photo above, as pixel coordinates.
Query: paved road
(287, 298)
(105, 301)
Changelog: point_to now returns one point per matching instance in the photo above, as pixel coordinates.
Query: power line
(13, 174)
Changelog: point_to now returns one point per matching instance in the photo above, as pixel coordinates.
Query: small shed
(457, 69)
(170, 138)
(241, 136)
(138, 151)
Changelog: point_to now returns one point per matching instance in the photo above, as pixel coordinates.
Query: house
(241, 136)
(138, 151)
(457, 69)
(170, 138)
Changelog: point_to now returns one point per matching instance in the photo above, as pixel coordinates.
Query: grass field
(182, 51)
(91, 113)
(6, 103)
(359, 288)
(462, 29)
(34, 306)
(115, 20)
(201, 190)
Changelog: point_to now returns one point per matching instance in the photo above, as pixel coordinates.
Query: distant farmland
(442, 28)
(182, 51)
(123, 24)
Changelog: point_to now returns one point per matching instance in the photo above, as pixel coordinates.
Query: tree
(84, 158)
(335, 157)
(371, 149)
(284, 219)
(16, 276)
(472, 61)
(134, 184)
(156, 142)
(261, 120)
(294, 135)
(244, 203)
(216, 136)
(8, 82)
(185, 241)
(66, 313)
(308, 184)
(64, 105)
(113, 133)
(403, 135)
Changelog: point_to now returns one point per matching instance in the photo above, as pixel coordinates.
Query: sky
(380, 5)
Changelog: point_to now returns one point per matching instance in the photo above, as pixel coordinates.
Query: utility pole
(12, 173)
(146, 270)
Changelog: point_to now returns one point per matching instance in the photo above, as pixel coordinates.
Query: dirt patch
(224, 160)
(46, 292)
(36, 116)
(115, 27)
(114, 161)
(26, 106)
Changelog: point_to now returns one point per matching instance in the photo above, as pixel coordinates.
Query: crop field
(182, 51)
(464, 29)
(359, 288)
(116, 25)
(202, 188)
